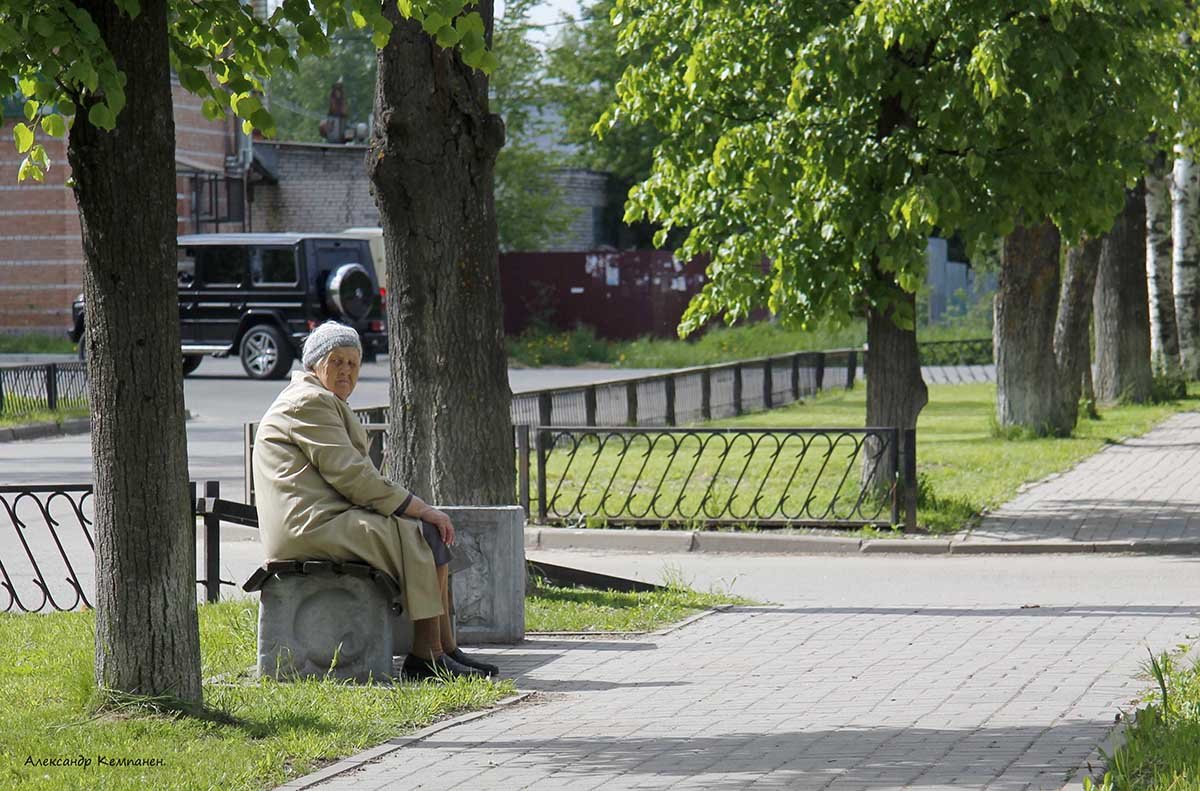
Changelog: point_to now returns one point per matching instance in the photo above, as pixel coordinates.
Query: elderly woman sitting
(319, 497)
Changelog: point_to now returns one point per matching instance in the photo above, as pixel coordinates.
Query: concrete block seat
(319, 618)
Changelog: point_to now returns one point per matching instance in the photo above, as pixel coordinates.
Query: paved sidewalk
(841, 688)
(1143, 489)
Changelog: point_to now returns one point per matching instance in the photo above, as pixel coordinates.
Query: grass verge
(35, 343)
(963, 465)
(1161, 747)
(554, 609)
(42, 416)
(260, 733)
(543, 345)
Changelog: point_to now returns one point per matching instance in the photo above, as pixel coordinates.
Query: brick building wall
(41, 256)
(586, 193)
(319, 188)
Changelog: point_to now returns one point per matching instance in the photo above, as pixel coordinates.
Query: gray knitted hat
(325, 339)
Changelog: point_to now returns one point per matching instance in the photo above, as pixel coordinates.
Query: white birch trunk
(1164, 331)
(1185, 255)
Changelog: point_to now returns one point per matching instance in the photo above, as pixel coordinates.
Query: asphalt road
(222, 399)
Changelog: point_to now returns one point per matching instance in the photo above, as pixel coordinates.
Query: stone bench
(345, 620)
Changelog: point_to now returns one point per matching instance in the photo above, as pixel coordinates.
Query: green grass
(26, 418)
(35, 343)
(554, 609)
(543, 346)
(963, 466)
(1160, 750)
(261, 733)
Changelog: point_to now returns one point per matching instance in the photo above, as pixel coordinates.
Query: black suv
(259, 295)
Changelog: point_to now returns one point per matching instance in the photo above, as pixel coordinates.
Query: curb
(682, 541)
(375, 753)
(80, 425)
(57, 428)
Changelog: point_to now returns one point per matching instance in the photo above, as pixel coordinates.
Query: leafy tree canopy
(584, 66)
(54, 53)
(830, 139)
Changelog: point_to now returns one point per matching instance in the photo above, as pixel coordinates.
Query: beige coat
(320, 497)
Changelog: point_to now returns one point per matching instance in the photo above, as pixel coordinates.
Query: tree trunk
(1072, 350)
(147, 641)
(1028, 390)
(431, 166)
(1121, 305)
(896, 393)
(1164, 332)
(1185, 259)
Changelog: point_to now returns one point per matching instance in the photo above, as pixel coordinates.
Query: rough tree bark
(431, 163)
(1072, 347)
(1032, 389)
(896, 393)
(1185, 257)
(1122, 308)
(147, 641)
(1164, 332)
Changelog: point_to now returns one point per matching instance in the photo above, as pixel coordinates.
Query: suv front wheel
(264, 352)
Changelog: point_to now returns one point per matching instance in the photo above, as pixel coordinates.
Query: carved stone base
(323, 623)
(489, 595)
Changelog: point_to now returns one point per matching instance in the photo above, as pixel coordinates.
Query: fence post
(796, 377)
(706, 393)
(523, 466)
(545, 409)
(820, 371)
(631, 403)
(589, 405)
(248, 430)
(669, 397)
(212, 543)
(543, 441)
(737, 388)
(768, 383)
(851, 369)
(909, 477)
(52, 386)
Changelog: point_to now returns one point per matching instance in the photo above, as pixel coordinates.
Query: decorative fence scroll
(696, 477)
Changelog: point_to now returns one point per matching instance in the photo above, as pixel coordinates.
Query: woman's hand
(442, 522)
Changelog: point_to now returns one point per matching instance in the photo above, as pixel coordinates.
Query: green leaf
(54, 125)
(211, 110)
(101, 117)
(448, 36)
(66, 107)
(31, 108)
(433, 23)
(406, 9)
(29, 170)
(380, 39)
(28, 86)
(23, 136)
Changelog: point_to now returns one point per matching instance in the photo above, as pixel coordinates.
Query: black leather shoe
(487, 667)
(440, 666)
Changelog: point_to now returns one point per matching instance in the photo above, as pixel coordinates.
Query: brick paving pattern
(807, 697)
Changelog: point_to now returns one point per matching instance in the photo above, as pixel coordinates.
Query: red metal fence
(621, 294)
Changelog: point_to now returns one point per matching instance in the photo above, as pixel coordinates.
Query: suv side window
(275, 266)
(222, 266)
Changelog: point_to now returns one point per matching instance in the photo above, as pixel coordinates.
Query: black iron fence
(47, 547)
(689, 395)
(29, 389)
(818, 477)
(653, 477)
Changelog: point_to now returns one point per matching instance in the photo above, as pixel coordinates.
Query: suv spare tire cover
(350, 291)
